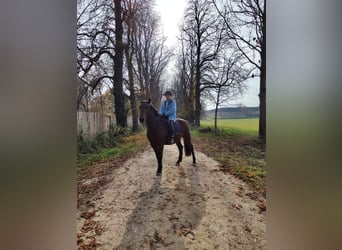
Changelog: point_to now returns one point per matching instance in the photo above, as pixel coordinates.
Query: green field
(244, 124)
(236, 147)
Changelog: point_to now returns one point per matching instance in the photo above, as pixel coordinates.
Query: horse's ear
(149, 100)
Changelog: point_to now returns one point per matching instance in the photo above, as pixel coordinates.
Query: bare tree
(183, 81)
(131, 7)
(245, 22)
(151, 54)
(203, 26)
(90, 70)
(226, 80)
(120, 112)
(100, 49)
(84, 18)
(111, 31)
(95, 44)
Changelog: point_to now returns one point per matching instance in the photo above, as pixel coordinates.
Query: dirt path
(186, 208)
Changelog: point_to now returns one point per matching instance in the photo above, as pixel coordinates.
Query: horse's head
(143, 109)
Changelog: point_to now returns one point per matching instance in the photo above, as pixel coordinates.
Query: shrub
(85, 145)
(205, 130)
(102, 140)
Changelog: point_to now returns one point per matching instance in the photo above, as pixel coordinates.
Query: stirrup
(170, 141)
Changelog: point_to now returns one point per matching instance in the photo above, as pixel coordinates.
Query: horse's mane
(154, 109)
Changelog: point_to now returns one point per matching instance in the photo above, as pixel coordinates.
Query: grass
(238, 150)
(126, 146)
(250, 124)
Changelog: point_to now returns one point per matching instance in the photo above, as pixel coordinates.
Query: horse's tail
(187, 139)
(187, 148)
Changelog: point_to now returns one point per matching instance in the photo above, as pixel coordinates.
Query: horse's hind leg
(193, 155)
(180, 152)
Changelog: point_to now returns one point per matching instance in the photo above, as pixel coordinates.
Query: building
(234, 112)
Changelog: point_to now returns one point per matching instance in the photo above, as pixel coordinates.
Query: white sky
(171, 13)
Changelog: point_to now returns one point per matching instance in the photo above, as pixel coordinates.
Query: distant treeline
(235, 112)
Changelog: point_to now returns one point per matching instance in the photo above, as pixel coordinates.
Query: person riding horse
(158, 134)
(168, 110)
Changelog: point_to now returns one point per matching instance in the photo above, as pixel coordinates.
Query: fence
(91, 123)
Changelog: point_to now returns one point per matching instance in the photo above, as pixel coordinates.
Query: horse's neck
(153, 119)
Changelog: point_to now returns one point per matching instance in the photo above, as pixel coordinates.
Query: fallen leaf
(237, 206)
(239, 194)
(88, 226)
(247, 228)
(261, 205)
(88, 215)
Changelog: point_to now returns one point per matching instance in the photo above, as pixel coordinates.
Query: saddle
(173, 129)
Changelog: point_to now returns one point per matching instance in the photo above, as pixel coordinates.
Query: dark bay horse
(157, 134)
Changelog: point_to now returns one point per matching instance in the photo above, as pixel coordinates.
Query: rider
(168, 110)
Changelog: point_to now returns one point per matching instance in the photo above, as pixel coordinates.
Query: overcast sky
(171, 13)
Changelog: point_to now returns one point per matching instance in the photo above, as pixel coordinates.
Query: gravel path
(186, 208)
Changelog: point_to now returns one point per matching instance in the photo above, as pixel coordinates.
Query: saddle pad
(177, 127)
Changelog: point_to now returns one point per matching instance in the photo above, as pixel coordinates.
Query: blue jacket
(169, 109)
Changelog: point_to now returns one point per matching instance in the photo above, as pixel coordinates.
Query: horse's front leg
(159, 154)
(180, 152)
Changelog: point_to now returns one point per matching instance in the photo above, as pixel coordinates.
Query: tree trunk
(192, 96)
(129, 55)
(262, 94)
(135, 114)
(120, 112)
(215, 119)
(197, 83)
(262, 98)
(216, 111)
(197, 101)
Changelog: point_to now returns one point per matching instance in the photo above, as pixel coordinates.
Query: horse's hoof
(158, 174)
(177, 163)
(194, 164)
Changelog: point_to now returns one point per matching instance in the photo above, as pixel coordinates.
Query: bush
(85, 146)
(205, 130)
(115, 131)
(102, 140)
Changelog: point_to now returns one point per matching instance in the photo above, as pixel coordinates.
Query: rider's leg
(171, 131)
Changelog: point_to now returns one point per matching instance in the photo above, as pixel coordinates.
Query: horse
(158, 134)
